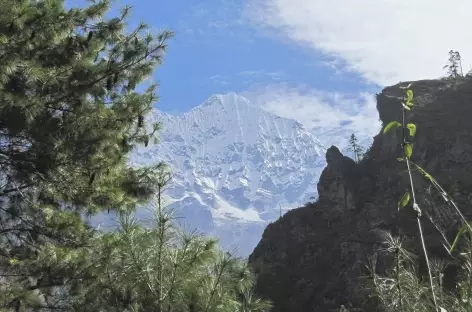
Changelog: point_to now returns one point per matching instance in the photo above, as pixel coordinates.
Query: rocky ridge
(313, 258)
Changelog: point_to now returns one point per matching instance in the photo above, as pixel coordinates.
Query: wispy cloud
(261, 73)
(337, 65)
(220, 79)
(386, 41)
(319, 109)
(214, 17)
(248, 77)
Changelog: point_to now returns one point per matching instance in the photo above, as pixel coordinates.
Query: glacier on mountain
(235, 167)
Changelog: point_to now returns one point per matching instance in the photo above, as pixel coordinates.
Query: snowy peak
(225, 101)
(235, 165)
(233, 115)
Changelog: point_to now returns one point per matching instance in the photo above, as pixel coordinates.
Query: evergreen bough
(69, 117)
(164, 268)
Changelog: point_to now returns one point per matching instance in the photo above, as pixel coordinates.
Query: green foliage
(403, 289)
(69, 117)
(159, 268)
(404, 200)
(391, 125)
(162, 268)
(409, 96)
(412, 129)
(408, 150)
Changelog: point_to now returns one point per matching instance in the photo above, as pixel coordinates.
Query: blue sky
(217, 50)
(310, 60)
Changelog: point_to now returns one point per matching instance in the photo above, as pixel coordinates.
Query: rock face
(313, 258)
(337, 182)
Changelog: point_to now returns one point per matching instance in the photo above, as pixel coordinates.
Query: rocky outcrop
(314, 257)
(337, 184)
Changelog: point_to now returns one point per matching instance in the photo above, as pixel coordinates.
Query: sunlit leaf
(408, 149)
(409, 94)
(461, 232)
(412, 128)
(404, 200)
(391, 125)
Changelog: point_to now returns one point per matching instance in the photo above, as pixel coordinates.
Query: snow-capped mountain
(235, 167)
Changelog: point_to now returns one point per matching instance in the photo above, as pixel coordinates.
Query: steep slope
(234, 166)
(313, 258)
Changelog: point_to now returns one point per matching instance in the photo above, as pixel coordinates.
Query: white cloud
(261, 73)
(353, 113)
(387, 41)
(247, 77)
(220, 79)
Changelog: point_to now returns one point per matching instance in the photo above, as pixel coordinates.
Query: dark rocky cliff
(314, 258)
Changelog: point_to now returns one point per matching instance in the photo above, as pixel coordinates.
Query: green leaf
(461, 232)
(400, 159)
(412, 128)
(409, 94)
(404, 200)
(424, 173)
(408, 149)
(391, 125)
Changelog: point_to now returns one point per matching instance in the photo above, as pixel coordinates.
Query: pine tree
(355, 148)
(163, 268)
(69, 116)
(454, 67)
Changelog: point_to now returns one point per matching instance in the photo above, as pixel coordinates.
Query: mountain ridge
(234, 164)
(236, 167)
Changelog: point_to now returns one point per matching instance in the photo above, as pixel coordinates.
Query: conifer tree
(69, 116)
(163, 268)
(454, 66)
(355, 147)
